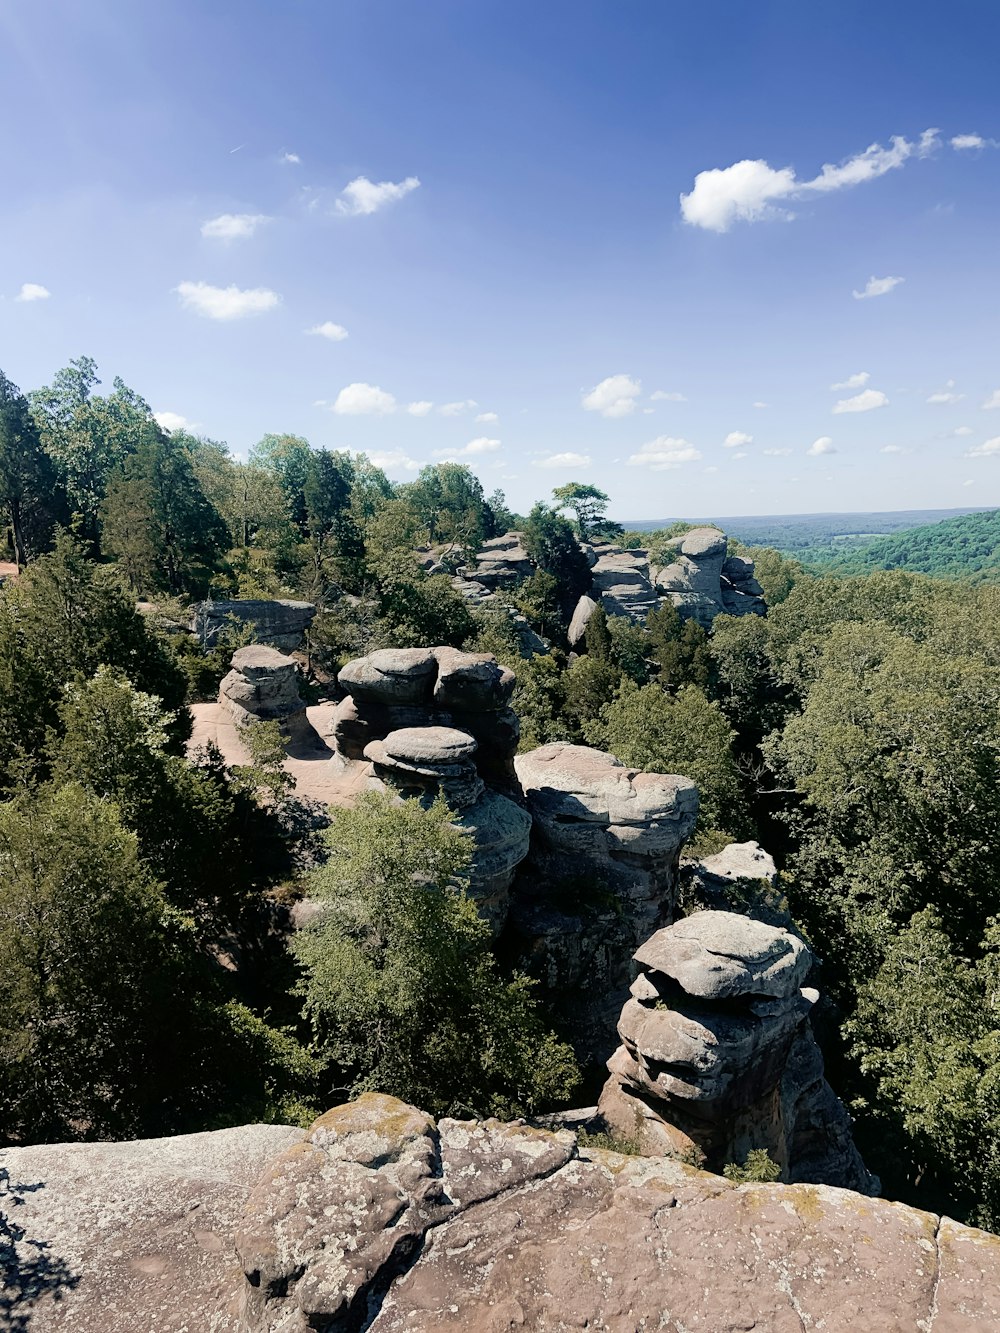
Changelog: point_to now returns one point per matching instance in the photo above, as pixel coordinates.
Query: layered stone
(280, 623)
(502, 562)
(702, 581)
(263, 686)
(621, 579)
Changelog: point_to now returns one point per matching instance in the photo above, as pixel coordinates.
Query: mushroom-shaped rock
(719, 955)
(263, 686)
(391, 676)
(426, 762)
(471, 682)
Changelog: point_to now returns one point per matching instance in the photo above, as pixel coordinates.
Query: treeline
(967, 547)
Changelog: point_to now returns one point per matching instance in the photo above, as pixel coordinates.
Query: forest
(144, 986)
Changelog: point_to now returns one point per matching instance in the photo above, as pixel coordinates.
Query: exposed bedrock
(377, 1217)
(263, 686)
(600, 877)
(621, 579)
(703, 582)
(717, 1056)
(397, 688)
(501, 562)
(281, 623)
(427, 762)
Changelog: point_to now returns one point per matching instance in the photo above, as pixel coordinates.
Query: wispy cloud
(457, 409)
(876, 287)
(487, 417)
(992, 401)
(946, 395)
(394, 461)
(613, 397)
(665, 453)
(892, 449)
(989, 449)
(965, 143)
(659, 396)
(564, 460)
(225, 303)
(335, 333)
(291, 159)
(866, 401)
(174, 421)
(33, 291)
(421, 408)
(824, 445)
(362, 196)
(759, 404)
(777, 453)
(357, 400)
(735, 438)
(473, 449)
(749, 191)
(857, 381)
(233, 226)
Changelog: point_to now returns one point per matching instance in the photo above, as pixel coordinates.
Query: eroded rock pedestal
(263, 686)
(703, 581)
(378, 1218)
(717, 1056)
(600, 877)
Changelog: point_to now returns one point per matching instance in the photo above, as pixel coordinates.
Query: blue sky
(486, 197)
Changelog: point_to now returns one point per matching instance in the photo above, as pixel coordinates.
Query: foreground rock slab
(377, 1218)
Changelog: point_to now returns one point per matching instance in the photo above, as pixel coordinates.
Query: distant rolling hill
(967, 547)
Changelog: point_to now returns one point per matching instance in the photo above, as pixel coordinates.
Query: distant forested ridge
(966, 547)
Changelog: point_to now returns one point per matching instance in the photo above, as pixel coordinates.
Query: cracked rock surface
(376, 1218)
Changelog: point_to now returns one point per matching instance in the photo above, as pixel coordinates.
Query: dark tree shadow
(28, 1270)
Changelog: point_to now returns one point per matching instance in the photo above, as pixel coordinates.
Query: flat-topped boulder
(280, 622)
(502, 561)
(720, 955)
(621, 579)
(390, 676)
(263, 686)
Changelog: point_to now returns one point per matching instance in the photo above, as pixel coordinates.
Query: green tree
(416, 608)
(158, 522)
(400, 986)
(27, 478)
(551, 543)
(589, 683)
(596, 636)
(449, 499)
(589, 505)
(287, 458)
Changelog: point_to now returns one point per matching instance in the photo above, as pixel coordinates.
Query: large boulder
(263, 686)
(701, 581)
(717, 1057)
(280, 623)
(600, 877)
(379, 1218)
(622, 581)
(502, 562)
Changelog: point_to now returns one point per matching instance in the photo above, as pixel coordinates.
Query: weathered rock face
(502, 562)
(601, 875)
(621, 579)
(482, 598)
(397, 688)
(741, 878)
(425, 762)
(282, 624)
(263, 686)
(702, 581)
(378, 1218)
(585, 608)
(717, 1056)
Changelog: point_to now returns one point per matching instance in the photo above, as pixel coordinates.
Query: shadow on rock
(28, 1270)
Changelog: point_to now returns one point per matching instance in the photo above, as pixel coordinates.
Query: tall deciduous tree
(589, 504)
(27, 477)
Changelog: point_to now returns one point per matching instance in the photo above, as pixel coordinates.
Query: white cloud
(857, 381)
(475, 447)
(487, 417)
(363, 196)
(735, 438)
(659, 396)
(876, 287)
(777, 453)
(233, 226)
(963, 430)
(613, 397)
(824, 445)
(862, 402)
(420, 408)
(173, 421)
(357, 400)
(989, 449)
(225, 302)
(739, 455)
(564, 460)
(892, 449)
(394, 461)
(456, 409)
(967, 142)
(992, 401)
(33, 291)
(761, 404)
(748, 190)
(945, 395)
(292, 159)
(663, 453)
(336, 333)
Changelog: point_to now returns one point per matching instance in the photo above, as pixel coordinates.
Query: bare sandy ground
(320, 774)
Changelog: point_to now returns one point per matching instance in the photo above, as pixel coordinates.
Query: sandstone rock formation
(585, 608)
(263, 686)
(481, 598)
(702, 581)
(425, 762)
(600, 876)
(741, 878)
(622, 581)
(281, 623)
(397, 688)
(378, 1218)
(717, 1057)
(502, 561)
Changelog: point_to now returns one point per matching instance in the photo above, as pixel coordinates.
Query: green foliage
(416, 608)
(539, 700)
(400, 986)
(589, 684)
(596, 636)
(683, 733)
(448, 498)
(965, 547)
(590, 507)
(29, 494)
(551, 543)
(539, 601)
(680, 649)
(757, 1168)
(620, 1143)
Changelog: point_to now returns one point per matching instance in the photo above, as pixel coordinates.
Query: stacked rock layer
(717, 1056)
(263, 686)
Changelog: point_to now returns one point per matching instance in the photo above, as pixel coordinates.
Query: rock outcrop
(397, 688)
(703, 582)
(481, 598)
(263, 686)
(501, 562)
(426, 762)
(621, 579)
(378, 1218)
(584, 609)
(600, 877)
(281, 623)
(717, 1056)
